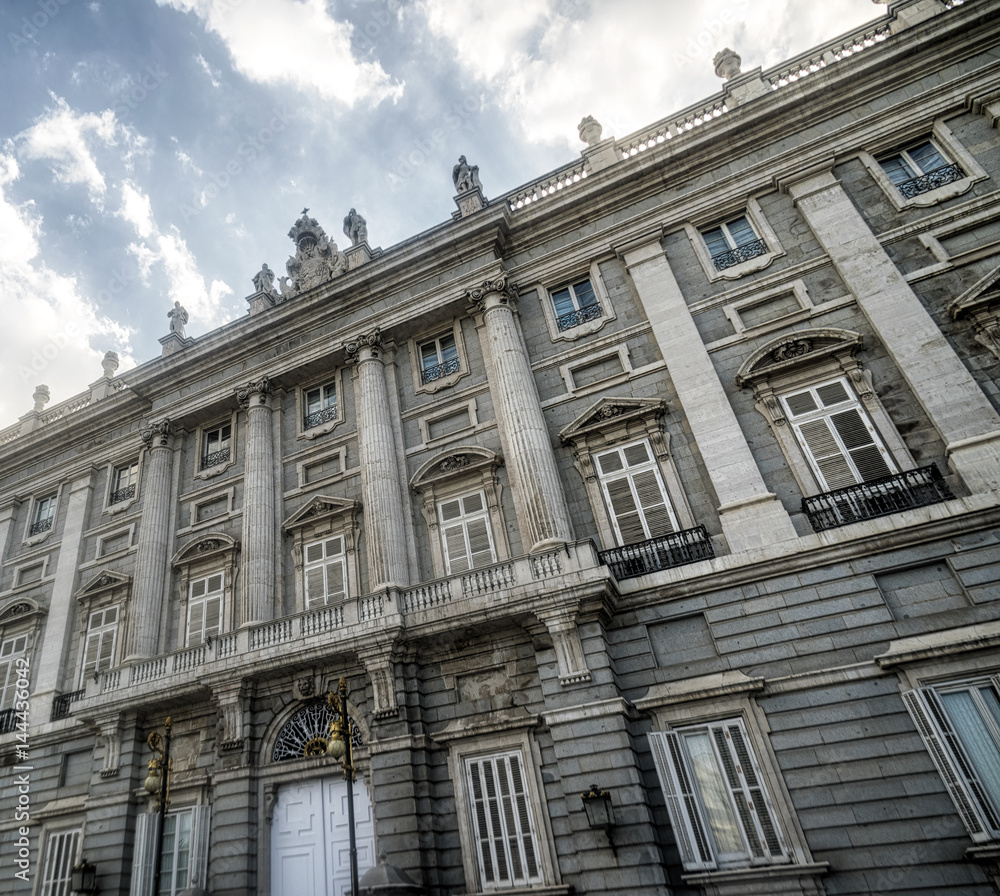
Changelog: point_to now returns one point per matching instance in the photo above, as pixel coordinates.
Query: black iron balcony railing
(122, 494)
(879, 497)
(575, 318)
(946, 174)
(662, 552)
(445, 368)
(8, 721)
(40, 526)
(215, 458)
(61, 705)
(738, 255)
(324, 415)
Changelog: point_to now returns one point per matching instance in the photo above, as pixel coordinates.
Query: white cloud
(212, 77)
(558, 61)
(293, 42)
(60, 337)
(204, 302)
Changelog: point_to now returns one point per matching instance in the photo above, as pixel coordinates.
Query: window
(836, 435)
(960, 724)
(634, 492)
(503, 822)
(99, 646)
(920, 169)
(204, 608)
(44, 512)
(719, 808)
(465, 533)
(183, 858)
(216, 447)
(320, 405)
(439, 358)
(123, 482)
(57, 863)
(575, 304)
(325, 572)
(733, 242)
(11, 650)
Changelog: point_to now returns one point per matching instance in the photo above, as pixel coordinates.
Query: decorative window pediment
(210, 546)
(18, 611)
(104, 582)
(981, 304)
(611, 417)
(320, 510)
(207, 593)
(799, 349)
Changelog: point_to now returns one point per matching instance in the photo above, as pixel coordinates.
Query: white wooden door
(310, 840)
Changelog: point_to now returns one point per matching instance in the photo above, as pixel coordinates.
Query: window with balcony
(204, 610)
(633, 488)
(325, 571)
(320, 405)
(733, 245)
(466, 535)
(42, 515)
(99, 643)
(216, 446)
(575, 304)
(439, 358)
(920, 169)
(12, 649)
(733, 242)
(124, 480)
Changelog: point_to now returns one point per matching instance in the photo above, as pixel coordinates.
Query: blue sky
(159, 150)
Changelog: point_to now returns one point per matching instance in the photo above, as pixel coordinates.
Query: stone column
(539, 499)
(955, 404)
(750, 515)
(259, 473)
(385, 534)
(152, 550)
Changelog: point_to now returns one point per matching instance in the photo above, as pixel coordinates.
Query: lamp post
(158, 782)
(600, 813)
(340, 748)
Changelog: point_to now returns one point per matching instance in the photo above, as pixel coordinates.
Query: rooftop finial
(727, 64)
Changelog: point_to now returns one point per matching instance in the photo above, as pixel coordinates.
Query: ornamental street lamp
(340, 748)
(600, 812)
(158, 782)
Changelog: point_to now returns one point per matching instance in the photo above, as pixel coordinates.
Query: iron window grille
(439, 358)
(733, 242)
(321, 405)
(216, 446)
(662, 552)
(576, 304)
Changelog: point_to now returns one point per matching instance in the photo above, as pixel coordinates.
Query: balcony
(879, 497)
(42, 525)
(946, 174)
(214, 458)
(663, 552)
(8, 721)
(61, 705)
(122, 494)
(437, 371)
(575, 318)
(740, 254)
(318, 418)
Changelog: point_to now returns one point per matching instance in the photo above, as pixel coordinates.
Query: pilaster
(956, 406)
(539, 498)
(750, 515)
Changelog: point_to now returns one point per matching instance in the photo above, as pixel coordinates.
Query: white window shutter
(213, 616)
(627, 517)
(524, 818)
(335, 579)
(456, 553)
(637, 499)
(315, 594)
(91, 655)
(61, 851)
(946, 750)
(198, 862)
(146, 828)
(690, 827)
(859, 440)
(480, 543)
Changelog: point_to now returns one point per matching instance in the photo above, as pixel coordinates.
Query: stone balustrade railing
(434, 601)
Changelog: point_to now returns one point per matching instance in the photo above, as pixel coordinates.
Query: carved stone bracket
(378, 664)
(234, 708)
(156, 435)
(368, 345)
(110, 733)
(561, 625)
(261, 388)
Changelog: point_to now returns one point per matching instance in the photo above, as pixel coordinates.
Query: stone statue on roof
(178, 318)
(465, 176)
(355, 228)
(316, 260)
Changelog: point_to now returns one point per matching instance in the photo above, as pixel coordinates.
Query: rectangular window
(183, 858)
(204, 609)
(960, 724)
(719, 807)
(438, 358)
(41, 520)
(57, 863)
(99, 647)
(123, 482)
(575, 304)
(466, 534)
(11, 650)
(920, 169)
(635, 495)
(837, 436)
(216, 445)
(325, 572)
(733, 242)
(503, 821)
(320, 405)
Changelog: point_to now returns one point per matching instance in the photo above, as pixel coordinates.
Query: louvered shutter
(686, 818)
(746, 788)
(60, 855)
(198, 862)
(146, 830)
(640, 508)
(456, 552)
(10, 650)
(466, 533)
(213, 616)
(957, 772)
(196, 623)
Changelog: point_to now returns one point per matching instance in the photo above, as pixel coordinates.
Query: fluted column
(259, 472)
(539, 500)
(385, 536)
(152, 551)
(953, 400)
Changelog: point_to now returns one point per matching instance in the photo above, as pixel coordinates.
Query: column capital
(498, 291)
(156, 435)
(261, 388)
(806, 181)
(365, 347)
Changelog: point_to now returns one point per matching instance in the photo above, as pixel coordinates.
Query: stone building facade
(674, 472)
